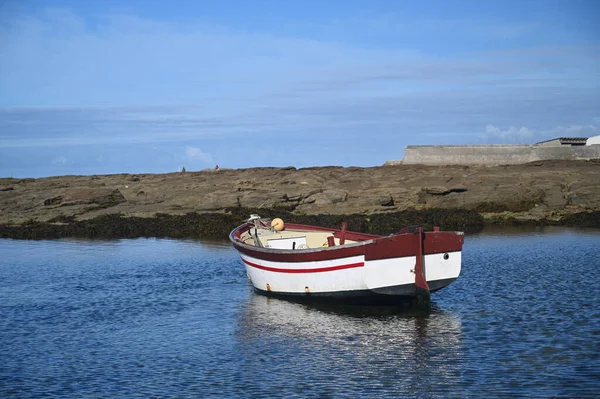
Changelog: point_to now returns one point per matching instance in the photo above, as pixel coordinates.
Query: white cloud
(512, 134)
(60, 160)
(195, 154)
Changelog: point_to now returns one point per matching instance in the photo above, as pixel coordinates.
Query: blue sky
(95, 87)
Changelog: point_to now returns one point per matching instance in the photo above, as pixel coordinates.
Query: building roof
(568, 140)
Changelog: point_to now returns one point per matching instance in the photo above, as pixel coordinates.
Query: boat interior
(269, 234)
(290, 238)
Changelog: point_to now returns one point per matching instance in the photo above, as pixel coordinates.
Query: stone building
(561, 148)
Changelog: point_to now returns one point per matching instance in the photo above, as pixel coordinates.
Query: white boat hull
(349, 274)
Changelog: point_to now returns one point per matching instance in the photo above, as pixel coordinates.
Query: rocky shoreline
(219, 225)
(379, 200)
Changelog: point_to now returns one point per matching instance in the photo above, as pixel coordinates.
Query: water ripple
(167, 318)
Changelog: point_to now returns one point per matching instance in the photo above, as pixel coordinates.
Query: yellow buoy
(277, 224)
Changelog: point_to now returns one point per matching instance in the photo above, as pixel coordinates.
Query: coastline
(380, 200)
(219, 225)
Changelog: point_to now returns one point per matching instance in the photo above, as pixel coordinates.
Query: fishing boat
(309, 263)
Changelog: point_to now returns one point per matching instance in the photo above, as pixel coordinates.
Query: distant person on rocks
(217, 167)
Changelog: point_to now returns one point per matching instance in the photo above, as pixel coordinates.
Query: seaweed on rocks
(218, 225)
(582, 219)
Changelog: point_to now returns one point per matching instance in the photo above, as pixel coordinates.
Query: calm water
(165, 318)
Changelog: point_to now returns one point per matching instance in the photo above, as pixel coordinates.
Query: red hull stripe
(313, 270)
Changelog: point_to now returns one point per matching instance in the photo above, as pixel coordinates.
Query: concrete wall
(493, 154)
(551, 143)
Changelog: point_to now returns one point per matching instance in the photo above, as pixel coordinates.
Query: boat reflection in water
(380, 347)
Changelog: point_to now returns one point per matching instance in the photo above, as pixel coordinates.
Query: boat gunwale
(366, 247)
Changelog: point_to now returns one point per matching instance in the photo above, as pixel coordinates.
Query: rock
(443, 190)
(252, 199)
(562, 187)
(302, 197)
(328, 197)
(293, 198)
(53, 201)
(386, 200)
(100, 197)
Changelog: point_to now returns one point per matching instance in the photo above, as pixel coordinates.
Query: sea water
(166, 318)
